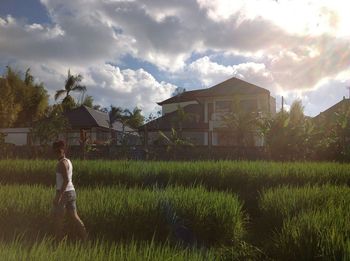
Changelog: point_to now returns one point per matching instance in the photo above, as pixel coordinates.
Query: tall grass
(99, 251)
(280, 203)
(301, 209)
(220, 175)
(311, 222)
(185, 214)
(321, 235)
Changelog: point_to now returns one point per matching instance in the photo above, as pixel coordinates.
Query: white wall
(17, 136)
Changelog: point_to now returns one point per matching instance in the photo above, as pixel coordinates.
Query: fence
(138, 152)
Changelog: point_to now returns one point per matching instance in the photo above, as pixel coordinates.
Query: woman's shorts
(68, 201)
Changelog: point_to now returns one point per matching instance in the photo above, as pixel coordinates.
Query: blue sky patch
(32, 11)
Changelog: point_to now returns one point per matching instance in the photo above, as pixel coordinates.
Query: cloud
(304, 66)
(211, 73)
(282, 54)
(119, 87)
(71, 42)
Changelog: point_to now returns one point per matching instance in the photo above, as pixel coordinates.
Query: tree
(180, 118)
(241, 125)
(24, 101)
(9, 108)
(28, 78)
(49, 128)
(72, 84)
(88, 101)
(333, 139)
(114, 114)
(174, 142)
(153, 116)
(178, 91)
(135, 118)
(289, 135)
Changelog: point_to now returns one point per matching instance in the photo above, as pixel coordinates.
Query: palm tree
(241, 125)
(72, 85)
(174, 142)
(134, 118)
(114, 114)
(180, 118)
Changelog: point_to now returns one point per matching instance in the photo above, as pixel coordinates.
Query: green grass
(297, 211)
(46, 249)
(280, 203)
(214, 218)
(311, 222)
(220, 175)
(322, 235)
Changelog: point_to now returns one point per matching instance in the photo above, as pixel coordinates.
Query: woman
(65, 199)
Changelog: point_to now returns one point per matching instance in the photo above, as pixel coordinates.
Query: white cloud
(283, 54)
(211, 73)
(120, 87)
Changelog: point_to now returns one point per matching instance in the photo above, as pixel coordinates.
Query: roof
(231, 86)
(168, 121)
(85, 117)
(333, 109)
(182, 97)
(15, 130)
(119, 127)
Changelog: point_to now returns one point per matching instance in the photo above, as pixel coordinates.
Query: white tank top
(59, 178)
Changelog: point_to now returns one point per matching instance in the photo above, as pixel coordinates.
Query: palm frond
(165, 137)
(59, 93)
(70, 82)
(79, 88)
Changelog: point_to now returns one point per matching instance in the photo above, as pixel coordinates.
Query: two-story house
(201, 119)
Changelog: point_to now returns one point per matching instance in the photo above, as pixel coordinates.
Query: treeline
(290, 135)
(25, 103)
(22, 101)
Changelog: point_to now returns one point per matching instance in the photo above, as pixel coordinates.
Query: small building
(83, 121)
(95, 126)
(16, 136)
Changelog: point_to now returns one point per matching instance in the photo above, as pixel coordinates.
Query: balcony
(216, 120)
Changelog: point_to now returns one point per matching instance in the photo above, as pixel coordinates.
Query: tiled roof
(85, 117)
(333, 109)
(81, 118)
(231, 86)
(182, 97)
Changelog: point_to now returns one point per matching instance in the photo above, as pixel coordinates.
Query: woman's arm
(63, 170)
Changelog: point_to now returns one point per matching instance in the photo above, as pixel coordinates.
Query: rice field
(47, 249)
(208, 210)
(310, 222)
(205, 218)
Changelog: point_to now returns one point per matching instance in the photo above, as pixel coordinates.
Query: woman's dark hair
(57, 145)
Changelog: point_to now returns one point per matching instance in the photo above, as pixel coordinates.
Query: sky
(137, 52)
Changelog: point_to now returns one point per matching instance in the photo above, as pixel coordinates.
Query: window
(102, 135)
(249, 105)
(223, 106)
